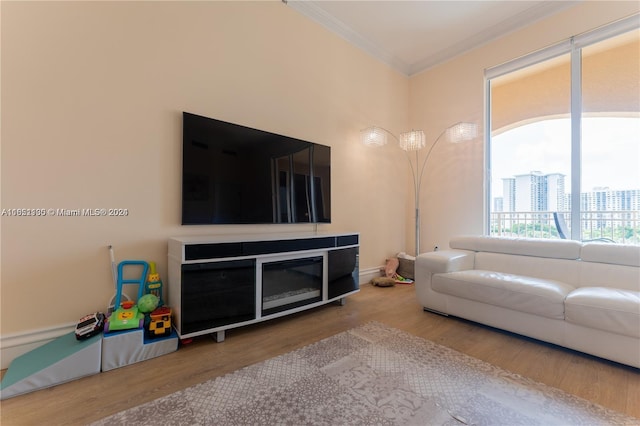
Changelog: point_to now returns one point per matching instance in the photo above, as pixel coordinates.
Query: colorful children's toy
(126, 315)
(148, 303)
(130, 346)
(160, 324)
(90, 325)
(114, 274)
(154, 285)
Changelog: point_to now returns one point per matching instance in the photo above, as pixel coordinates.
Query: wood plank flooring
(91, 398)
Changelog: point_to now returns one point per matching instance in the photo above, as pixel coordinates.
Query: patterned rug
(370, 375)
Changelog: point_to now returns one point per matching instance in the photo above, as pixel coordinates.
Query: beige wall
(91, 100)
(453, 190)
(92, 96)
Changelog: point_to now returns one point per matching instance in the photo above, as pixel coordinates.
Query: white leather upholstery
(552, 269)
(608, 309)
(582, 296)
(615, 254)
(521, 293)
(449, 261)
(555, 249)
(608, 275)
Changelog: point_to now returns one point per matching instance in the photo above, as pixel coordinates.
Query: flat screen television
(232, 174)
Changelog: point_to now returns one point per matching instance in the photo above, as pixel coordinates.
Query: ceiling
(412, 36)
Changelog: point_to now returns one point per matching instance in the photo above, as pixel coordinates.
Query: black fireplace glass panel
(288, 284)
(217, 293)
(343, 271)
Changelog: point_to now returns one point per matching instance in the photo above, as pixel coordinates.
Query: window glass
(530, 148)
(610, 172)
(539, 153)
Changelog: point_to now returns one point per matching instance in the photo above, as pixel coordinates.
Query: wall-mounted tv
(232, 174)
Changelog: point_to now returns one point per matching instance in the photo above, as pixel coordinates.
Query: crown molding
(311, 10)
(314, 11)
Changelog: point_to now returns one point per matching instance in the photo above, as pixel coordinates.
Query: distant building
(605, 199)
(537, 191)
(534, 192)
(508, 195)
(555, 192)
(498, 204)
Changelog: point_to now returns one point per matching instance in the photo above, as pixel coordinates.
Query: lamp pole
(417, 174)
(414, 141)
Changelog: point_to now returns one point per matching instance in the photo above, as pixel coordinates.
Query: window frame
(572, 46)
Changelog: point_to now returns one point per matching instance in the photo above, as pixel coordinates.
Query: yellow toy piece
(154, 284)
(160, 324)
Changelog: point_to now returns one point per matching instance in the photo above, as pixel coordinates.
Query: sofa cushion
(558, 249)
(607, 309)
(519, 293)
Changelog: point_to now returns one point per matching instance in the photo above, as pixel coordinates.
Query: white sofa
(583, 296)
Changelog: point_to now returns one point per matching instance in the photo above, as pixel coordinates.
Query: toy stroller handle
(140, 281)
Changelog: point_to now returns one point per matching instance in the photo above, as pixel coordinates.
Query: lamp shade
(412, 141)
(373, 136)
(462, 132)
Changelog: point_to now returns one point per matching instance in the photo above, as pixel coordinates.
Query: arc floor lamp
(414, 142)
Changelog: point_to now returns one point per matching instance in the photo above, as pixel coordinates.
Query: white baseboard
(366, 275)
(14, 345)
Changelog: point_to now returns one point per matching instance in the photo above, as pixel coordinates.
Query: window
(565, 121)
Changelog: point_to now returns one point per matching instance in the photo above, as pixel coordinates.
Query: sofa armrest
(437, 262)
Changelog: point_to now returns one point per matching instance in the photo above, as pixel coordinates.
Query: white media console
(222, 282)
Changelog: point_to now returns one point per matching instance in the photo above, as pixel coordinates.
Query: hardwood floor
(91, 398)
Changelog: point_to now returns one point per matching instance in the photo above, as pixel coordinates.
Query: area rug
(370, 375)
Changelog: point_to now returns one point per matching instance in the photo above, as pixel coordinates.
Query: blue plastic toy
(126, 315)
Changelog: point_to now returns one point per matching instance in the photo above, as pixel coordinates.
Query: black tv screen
(232, 174)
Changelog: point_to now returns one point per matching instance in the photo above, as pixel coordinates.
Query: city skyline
(538, 191)
(610, 153)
